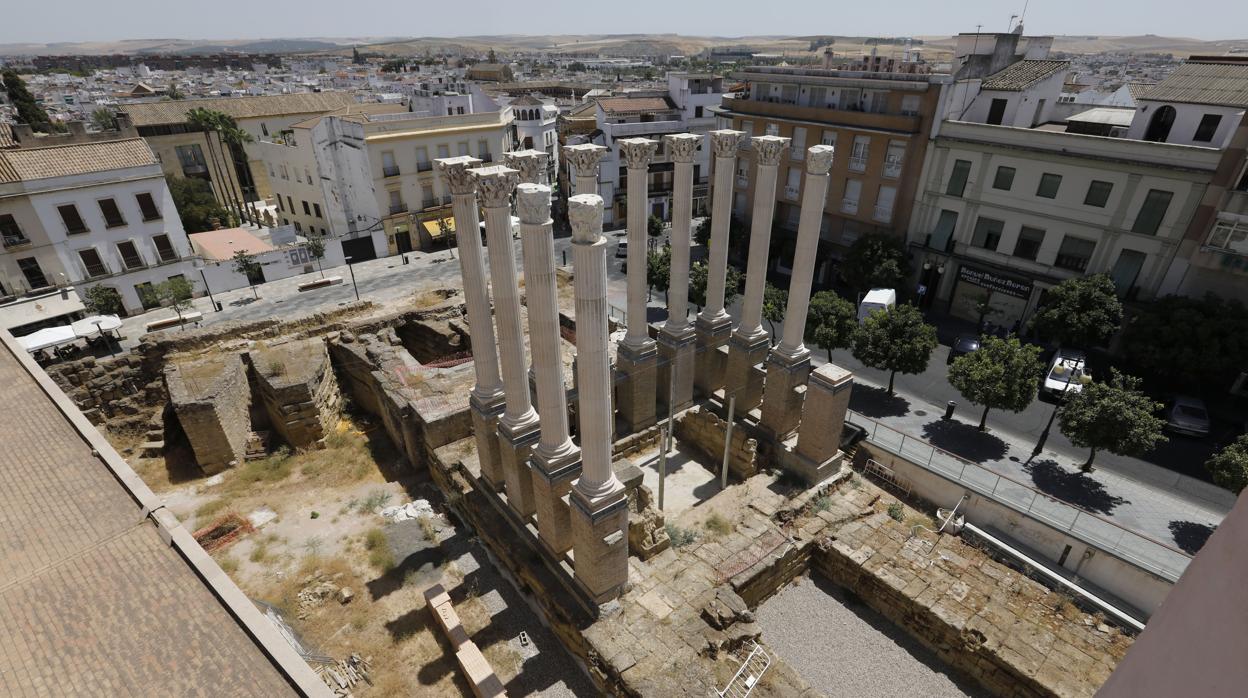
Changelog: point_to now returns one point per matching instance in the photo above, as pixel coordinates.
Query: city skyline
(82, 21)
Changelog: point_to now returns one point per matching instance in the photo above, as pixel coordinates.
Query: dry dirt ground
(326, 535)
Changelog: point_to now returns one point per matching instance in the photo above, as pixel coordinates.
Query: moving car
(1066, 373)
(964, 344)
(1187, 415)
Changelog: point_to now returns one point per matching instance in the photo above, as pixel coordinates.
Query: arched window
(1159, 128)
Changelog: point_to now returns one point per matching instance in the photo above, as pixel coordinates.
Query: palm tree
(236, 138)
(228, 135)
(206, 121)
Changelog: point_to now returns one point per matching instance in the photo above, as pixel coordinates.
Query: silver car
(1187, 415)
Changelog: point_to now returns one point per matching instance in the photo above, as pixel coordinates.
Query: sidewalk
(1158, 514)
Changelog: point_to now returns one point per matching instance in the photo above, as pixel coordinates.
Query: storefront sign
(1017, 288)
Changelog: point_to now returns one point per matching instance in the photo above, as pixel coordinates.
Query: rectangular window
(463, 148)
(853, 191)
(1049, 184)
(996, 111)
(92, 263)
(798, 147)
(389, 168)
(748, 127)
(147, 205)
(280, 204)
(794, 184)
(164, 248)
(34, 275)
(316, 208)
(444, 151)
(422, 159)
(298, 228)
(307, 211)
(1074, 254)
(130, 255)
(1029, 241)
(1098, 193)
(483, 150)
(1004, 179)
(1208, 126)
(73, 222)
(893, 158)
(943, 234)
(884, 203)
(290, 204)
(910, 105)
(1148, 220)
(987, 233)
(191, 157)
(12, 233)
(858, 156)
(112, 214)
(957, 179)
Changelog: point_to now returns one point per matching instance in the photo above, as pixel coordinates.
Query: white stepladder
(747, 677)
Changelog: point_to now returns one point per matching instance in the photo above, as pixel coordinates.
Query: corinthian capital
(584, 158)
(637, 152)
(769, 149)
(495, 185)
(585, 214)
(725, 142)
(533, 203)
(819, 159)
(456, 172)
(531, 164)
(682, 146)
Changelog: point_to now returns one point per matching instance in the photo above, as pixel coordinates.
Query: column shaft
(725, 147)
(814, 196)
(767, 157)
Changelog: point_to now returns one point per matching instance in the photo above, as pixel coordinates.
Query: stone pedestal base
(711, 337)
(784, 393)
(552, 482)
(676, 369)
(740, 377)
(514, 446)
(485, 432)
(827, 400)
(638, 385)
(811, 472)
(600, 544)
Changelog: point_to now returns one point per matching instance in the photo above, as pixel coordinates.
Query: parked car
(1187, 415)
(964, 344)
(621, 248)
(1066, 373)
(876, 299)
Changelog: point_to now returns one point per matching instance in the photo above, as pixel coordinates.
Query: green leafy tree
(102, 300)
(247, 265)
(831, 322)
(29, 111)
(1189, 341)
(654, 228)
(1082, 312)
(197, 207)
(104, 119)
(316, 248)
(658, 269)
(737, 233)
(222, 135)
(1113, 416)
(175, 293)
(896, 340)
(1003, 374)
(775, 302)
(699, 277)
(1229, 467)
(876, 261)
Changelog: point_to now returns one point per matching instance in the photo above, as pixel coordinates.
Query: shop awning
(435, 231)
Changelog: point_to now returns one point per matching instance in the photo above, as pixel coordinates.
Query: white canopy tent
(92, 324)
(48, 337)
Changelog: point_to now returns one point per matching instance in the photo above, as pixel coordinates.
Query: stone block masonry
(296, 386)
(212, 399)
(705, 431)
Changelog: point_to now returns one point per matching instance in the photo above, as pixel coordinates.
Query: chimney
(77, 130)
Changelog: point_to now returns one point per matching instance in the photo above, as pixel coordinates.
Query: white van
(876, 299)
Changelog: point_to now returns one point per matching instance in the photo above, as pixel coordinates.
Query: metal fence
(1142, 551)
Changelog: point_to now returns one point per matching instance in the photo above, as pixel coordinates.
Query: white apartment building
(537, 128)
(88, 214)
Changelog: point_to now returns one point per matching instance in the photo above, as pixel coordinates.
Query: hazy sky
(93, 20)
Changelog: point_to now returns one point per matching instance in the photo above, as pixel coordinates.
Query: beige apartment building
(879, 123)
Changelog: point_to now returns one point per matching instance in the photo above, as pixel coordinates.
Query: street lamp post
(1084, 379)
(209, 292)
(352, 270)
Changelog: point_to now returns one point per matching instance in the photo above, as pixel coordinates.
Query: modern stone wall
(212, 400)
(296, 386)
(705, 431)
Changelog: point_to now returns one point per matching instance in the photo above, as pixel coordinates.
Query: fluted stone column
(749, 344)
(486, 400)
(637, 356)
(788, 365)
(556, 461)
(584, 159)
(676, 339)
(518, 427)
(530, 164)
(817, 455)
(714, 324)
(599, 505)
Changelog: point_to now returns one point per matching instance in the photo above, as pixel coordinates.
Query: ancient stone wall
(704, 430)
(119, 390)
(296, 386)
(212, 399)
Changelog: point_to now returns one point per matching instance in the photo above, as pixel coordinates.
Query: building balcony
(773, 110)
(1229, 235)
(396, 209)
(390, 171)
(426, 166)
(14, 241)
(430, 203)
(791, 192)
(883, 214)
(857, 164)
(849, 206)
(892, 170)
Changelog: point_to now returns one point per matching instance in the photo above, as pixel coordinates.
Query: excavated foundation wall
(296, 386)
(705, 431)
(212, 400)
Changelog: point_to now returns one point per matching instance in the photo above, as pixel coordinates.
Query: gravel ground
(843, 648)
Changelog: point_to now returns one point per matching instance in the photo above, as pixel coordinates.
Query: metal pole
(662, 463)
(723, 473)
(1044, 435)
(352, 270)
(209, 291)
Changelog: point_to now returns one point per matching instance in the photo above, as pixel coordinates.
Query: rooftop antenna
(1010, 26)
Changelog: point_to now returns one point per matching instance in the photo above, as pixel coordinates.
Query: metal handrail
(1055, 506)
